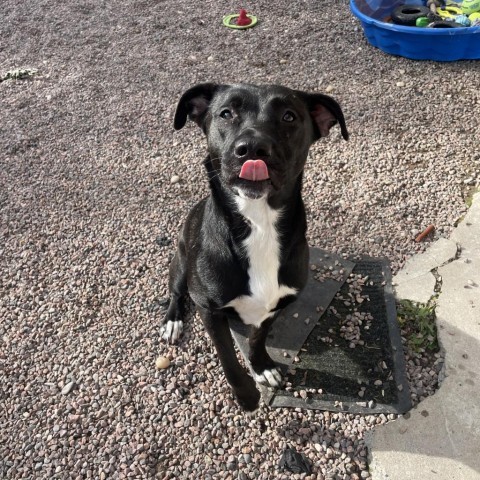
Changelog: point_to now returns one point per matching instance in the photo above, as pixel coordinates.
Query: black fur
(210, 263)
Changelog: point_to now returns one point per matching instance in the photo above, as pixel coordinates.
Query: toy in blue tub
(442, 44)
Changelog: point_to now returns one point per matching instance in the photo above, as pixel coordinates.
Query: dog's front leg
(242, 384)
(263, 366)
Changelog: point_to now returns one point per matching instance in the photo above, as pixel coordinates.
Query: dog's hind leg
(172, 324)
(242, 383)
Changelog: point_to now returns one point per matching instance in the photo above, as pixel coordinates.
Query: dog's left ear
(325, 113)
(194, 104)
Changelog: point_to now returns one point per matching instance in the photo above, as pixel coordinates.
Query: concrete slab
(415, 281)
(440, 438)
(418, 289)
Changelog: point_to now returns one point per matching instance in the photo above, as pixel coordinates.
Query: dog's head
(258, 136)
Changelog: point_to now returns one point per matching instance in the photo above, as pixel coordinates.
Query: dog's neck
(285, 209)
(258, 212)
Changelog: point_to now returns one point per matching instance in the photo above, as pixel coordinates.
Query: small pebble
(68, 388)
(162, 363)
(174, 179)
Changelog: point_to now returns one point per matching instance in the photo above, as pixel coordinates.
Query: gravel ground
(89, 219)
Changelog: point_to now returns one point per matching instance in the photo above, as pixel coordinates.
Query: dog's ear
(194, 105)
(325, 113)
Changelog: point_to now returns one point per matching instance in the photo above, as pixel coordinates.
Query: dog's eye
(226, 114)
(289, 117)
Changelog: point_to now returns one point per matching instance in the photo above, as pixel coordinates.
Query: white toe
(270, 378)
(171, 331)
(278, 376)
(177, 330)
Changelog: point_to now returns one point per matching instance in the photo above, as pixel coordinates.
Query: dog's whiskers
(211, 159)
(214, 173)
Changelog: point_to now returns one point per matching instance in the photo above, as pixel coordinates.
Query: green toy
(470, 6)
(422, 22)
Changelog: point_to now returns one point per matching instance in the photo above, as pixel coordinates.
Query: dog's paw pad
(269, 377)
(171, 331)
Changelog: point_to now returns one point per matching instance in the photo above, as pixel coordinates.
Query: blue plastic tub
(442, 44)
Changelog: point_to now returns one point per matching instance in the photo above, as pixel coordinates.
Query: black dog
(242, 250)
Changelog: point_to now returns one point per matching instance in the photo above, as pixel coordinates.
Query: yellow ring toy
(449, 11)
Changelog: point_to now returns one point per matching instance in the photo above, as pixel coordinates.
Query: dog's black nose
(245, 149)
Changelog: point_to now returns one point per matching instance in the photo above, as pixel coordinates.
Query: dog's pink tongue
(255, 170)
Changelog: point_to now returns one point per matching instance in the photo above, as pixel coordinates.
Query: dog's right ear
(194, 105)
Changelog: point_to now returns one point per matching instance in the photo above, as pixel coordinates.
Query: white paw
(270, 378)
(251, 415)
(171, 331)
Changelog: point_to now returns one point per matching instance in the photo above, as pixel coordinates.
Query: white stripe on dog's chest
(263, 251)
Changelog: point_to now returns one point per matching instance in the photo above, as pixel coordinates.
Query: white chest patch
(263, 251)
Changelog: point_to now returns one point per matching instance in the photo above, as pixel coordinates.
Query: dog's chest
(263, 251)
